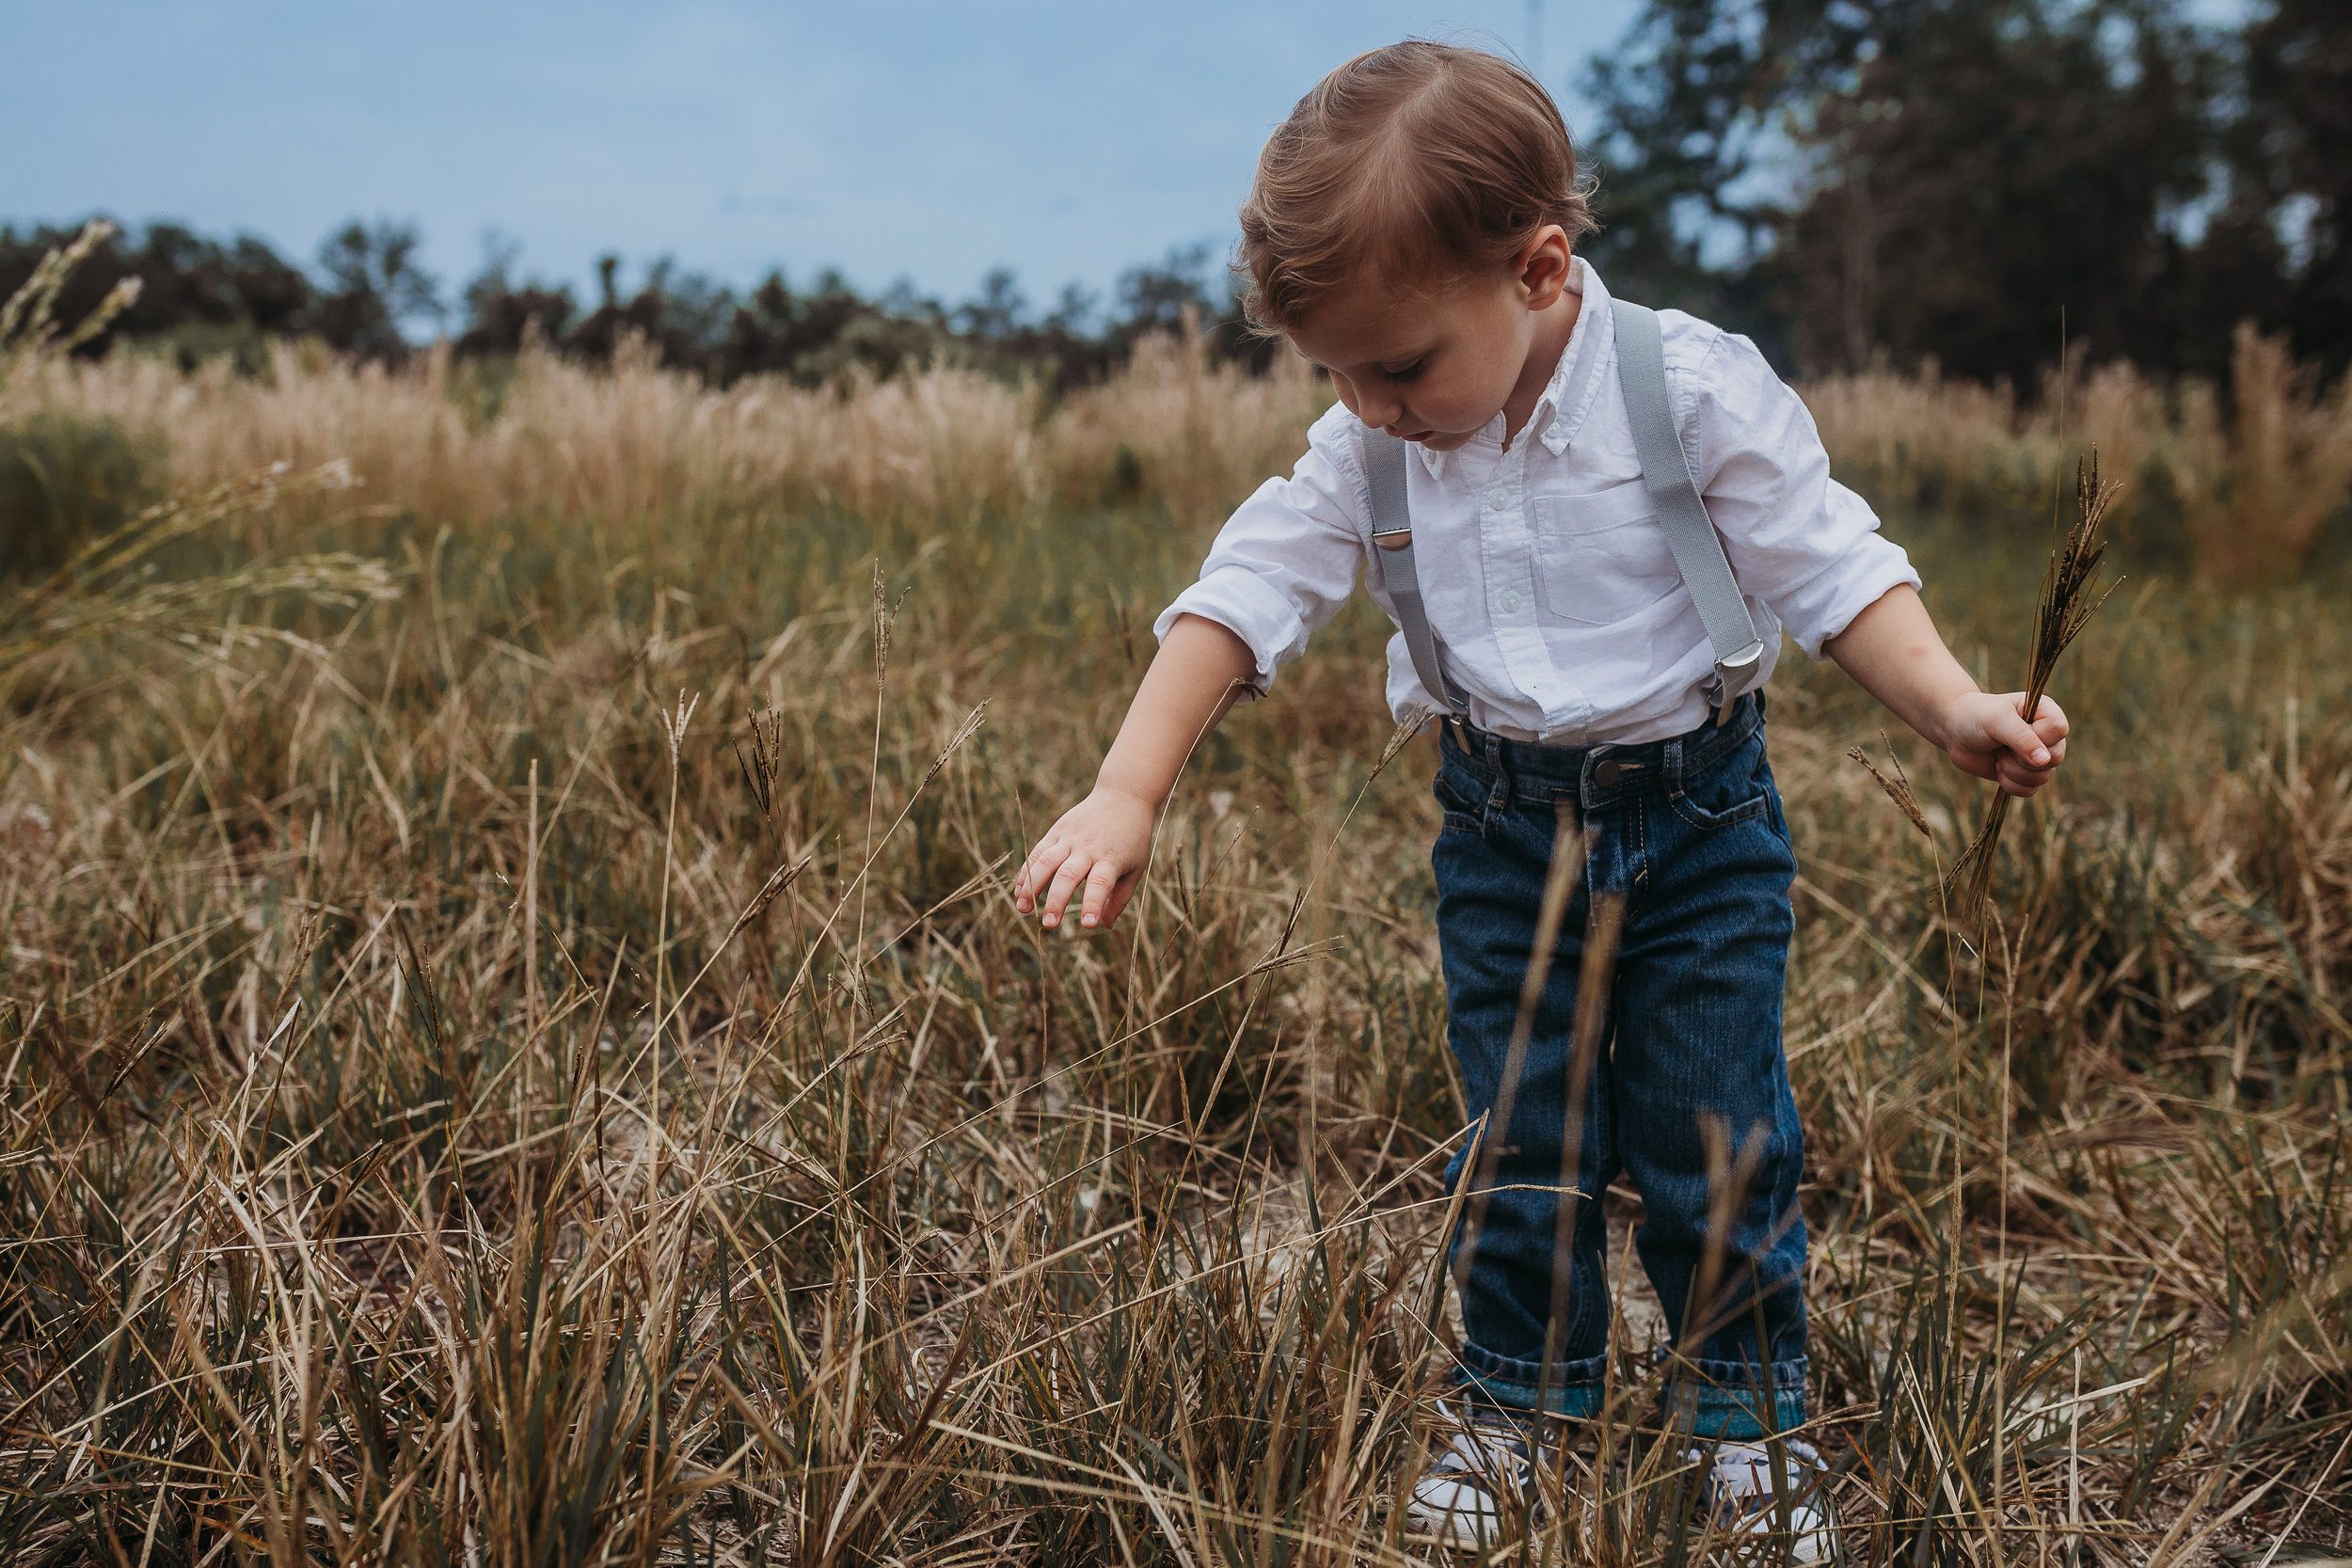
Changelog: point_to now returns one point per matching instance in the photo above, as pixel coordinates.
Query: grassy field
(517, 1048)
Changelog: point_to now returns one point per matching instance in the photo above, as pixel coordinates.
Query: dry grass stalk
(2070, 596)
(1898, 789)
(1565, 867)
(30, 335)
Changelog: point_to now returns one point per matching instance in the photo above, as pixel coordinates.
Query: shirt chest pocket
(1601, 558)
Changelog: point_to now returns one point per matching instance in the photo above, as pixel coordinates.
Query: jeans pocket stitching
(1707, 821)
(1677, 792)
(1463, 823)
(1452, 797)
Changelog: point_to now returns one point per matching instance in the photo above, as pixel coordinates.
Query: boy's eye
(1409, 372)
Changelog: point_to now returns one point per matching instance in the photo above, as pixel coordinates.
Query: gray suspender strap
(1393, 530)
(1698, 551)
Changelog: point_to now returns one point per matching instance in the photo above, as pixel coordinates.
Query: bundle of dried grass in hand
(2069, 597)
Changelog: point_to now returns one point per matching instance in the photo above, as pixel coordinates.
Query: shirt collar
(1567, 397)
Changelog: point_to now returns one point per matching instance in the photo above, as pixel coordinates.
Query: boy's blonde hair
(1415, 166)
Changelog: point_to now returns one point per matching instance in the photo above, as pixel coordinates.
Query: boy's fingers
(2020, 738)
(1119, 896)
(1064, 882)
(2050, 719)
(2052, 752)
(1035, 871)
(2022, 779)
(1099, 881)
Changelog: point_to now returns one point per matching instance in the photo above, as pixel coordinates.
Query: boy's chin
(1443, 440)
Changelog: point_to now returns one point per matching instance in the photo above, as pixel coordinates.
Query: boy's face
(1437, 367)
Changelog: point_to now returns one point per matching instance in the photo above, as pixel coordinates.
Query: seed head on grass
(1898, 789)
(2069, 597)
(31, 334)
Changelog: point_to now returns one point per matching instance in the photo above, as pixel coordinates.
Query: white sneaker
(1796, 1513)
(1483, 1476)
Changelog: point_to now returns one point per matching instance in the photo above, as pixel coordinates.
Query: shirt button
(1511, 602)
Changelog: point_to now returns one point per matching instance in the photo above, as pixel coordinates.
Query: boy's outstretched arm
(1105, 839)
(1893, 652)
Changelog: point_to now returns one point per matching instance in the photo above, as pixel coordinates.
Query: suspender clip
(1733, 677)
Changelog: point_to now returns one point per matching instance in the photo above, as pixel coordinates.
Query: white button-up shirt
(1546, 577)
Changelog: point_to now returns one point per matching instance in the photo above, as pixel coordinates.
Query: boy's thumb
(2021, 738)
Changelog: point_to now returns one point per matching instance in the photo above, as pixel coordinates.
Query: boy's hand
(1105, 839)
(1983, 734)
(1103, 842)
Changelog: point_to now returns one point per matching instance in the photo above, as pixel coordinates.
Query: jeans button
(1605, 775)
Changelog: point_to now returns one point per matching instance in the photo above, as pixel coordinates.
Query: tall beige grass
(2248, 476)
(554, 438)
(2250, 473)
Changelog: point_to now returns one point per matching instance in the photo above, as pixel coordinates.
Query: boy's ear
(1542, 266)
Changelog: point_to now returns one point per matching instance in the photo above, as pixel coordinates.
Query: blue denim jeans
(1689, 832)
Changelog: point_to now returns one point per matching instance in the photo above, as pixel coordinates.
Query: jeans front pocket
(1603, 557)
(1463, 803)
(1733, 789)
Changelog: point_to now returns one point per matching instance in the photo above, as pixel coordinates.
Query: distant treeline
(1959, 181)
(202, 298)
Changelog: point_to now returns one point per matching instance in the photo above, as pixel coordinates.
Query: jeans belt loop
(1672, 757)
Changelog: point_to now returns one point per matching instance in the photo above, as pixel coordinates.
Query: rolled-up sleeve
(1798, 540)
(1287, 558)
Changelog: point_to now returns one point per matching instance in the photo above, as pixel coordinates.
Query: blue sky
(891, 139)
